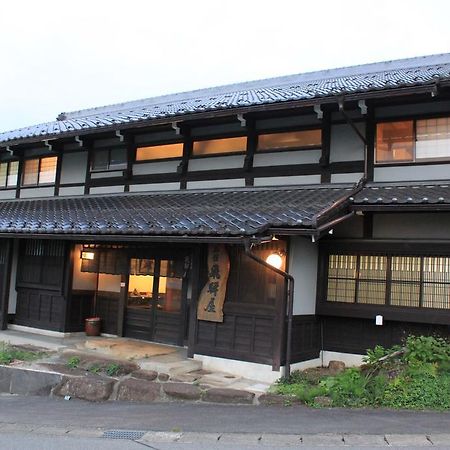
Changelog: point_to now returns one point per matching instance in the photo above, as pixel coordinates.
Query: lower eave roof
(404, 196)
(240, 212)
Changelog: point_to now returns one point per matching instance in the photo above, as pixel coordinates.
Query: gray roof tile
(312, 85)
(197, 213)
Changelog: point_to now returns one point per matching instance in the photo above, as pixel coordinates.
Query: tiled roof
(214, 213)
(307, 86)
(406, 194)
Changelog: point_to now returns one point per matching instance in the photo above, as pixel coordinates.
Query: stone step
(172, 368)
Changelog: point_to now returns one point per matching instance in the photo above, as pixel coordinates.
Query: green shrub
(112, 369)
(9, 353)
(427, 349)
(73, 362)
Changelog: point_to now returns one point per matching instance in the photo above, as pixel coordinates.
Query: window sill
(31, 186)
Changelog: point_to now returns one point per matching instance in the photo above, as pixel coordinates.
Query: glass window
(37, 171)
(395, 141)
(218, 146)
(405, 281)
(3, 174)
(292, 139)
(109, 159)
(433, 138)
(13, 172)
(159, 152)
(47, 171)
(31, 172)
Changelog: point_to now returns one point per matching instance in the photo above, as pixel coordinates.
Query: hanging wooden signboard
(212, 297)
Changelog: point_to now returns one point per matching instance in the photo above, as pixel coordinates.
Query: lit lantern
(87, 255)
(275, 260)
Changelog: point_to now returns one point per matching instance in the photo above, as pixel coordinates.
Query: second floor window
(109, 159)
(8, 174)
(155, 152)
(220, 146)
(39, 171)
(413, 140)
(290, 140)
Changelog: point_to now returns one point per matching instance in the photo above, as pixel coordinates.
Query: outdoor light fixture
(87, 255)
(275, 259)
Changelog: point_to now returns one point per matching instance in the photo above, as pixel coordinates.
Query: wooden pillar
(124, 280)
(194, 274)
(6, 250)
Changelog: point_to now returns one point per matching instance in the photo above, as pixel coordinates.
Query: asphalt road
(218, 418)
(45, 423)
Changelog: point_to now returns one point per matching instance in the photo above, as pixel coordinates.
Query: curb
(155, 437)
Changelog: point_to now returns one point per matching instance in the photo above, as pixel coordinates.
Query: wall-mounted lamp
(275, 259)
(87, 255)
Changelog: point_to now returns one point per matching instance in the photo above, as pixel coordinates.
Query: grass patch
(413, 376)
(10, 353)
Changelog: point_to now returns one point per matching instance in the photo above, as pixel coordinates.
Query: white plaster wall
(106, 190)
(156, 167)
(83, 281)
(346, 177)
(112, 174)
(291, 157)
(73, 168)
(285, 181)
(4, 195)
(37, 192)
(303, 255)
(345, 143)
(216, 163)
(211, 184)
(12, 281)
(411, 173)
(72, 190)
(150, 187)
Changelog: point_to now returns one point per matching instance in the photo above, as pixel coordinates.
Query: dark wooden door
(5, 265)
(156, 299)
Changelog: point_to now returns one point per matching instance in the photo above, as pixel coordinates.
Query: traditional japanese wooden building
(280, 222)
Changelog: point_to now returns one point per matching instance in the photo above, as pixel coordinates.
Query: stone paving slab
(362, 440)
(160, 436)
(440, 439)
(204, 438)
(281, 439)
(322, 439)
(240, 438)
(408, 440)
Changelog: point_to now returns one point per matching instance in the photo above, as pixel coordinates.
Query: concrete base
(264, 372)
(350, 359)
(43, 332)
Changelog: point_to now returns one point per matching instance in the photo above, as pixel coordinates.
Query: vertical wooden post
(5, 275)
(67, 286)
(195, 292)
(124, 280)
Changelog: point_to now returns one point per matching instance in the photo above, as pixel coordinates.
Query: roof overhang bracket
(435, 90)
(176, 127)
(120, 136)
(349, 120)
(8, 149)
(318, 111)
(48, 145)
(362, 106)
(79, 141)
(242, 120)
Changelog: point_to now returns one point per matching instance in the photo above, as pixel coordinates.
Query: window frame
(13, 186)
(289, 130)
(157, 144)
(109, 150)
(419, 314)
(216, 138)
(38, 183)
(414, 162)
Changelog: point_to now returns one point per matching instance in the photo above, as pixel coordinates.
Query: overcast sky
(59, 55)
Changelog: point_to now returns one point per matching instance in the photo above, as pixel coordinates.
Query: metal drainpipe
(290, 302)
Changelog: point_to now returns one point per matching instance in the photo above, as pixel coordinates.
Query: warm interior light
(87, 255)
(275, 260)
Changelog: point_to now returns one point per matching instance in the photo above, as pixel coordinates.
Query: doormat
(127, 349)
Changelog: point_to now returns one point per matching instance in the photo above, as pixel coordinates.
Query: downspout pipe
(289, 302)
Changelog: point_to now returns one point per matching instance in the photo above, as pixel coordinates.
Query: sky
(58, 55)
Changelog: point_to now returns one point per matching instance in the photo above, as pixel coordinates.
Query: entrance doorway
(155, 307)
